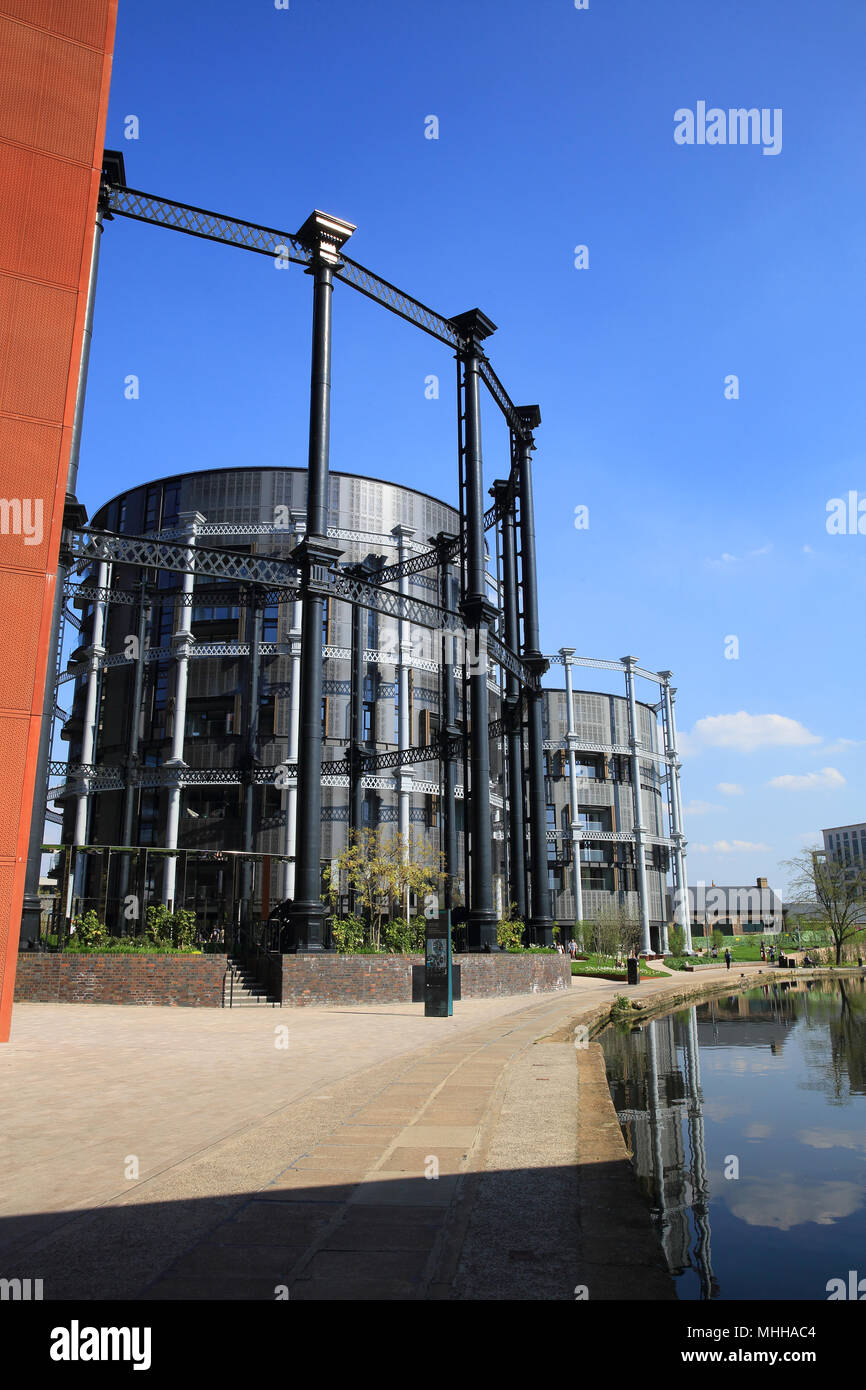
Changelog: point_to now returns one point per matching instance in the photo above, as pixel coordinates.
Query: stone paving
(363, 1153)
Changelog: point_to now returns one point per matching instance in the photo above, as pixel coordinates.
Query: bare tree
(837, 888)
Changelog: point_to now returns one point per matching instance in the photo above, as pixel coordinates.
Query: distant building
(846, 842)
(735, 910)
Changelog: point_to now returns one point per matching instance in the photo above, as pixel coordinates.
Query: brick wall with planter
(356, 979)
(193, 981)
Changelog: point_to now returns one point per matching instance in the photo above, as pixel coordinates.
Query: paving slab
(202, 1179)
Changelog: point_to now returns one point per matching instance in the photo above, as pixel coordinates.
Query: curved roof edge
(269, 468)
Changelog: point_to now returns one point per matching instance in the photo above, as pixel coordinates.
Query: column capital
(567, 654)
(629, 662)
(325, 236)
(402, 532)
(530, 416)
(191, 520)
(474, 325)
(665, 676)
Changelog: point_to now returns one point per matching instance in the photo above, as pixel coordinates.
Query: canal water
(746, 1120)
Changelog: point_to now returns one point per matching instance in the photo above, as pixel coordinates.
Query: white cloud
(726, 559)
(730, 788)
(732, 847)
(842, 745)
(701, 808)
(828, 778)
(748, 732)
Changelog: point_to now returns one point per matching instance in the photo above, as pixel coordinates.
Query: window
(269, 623)
(326, 622)
(372, 629)
(551, 825)
(432, 813)
(324, 718)
(170, 503)
(151, 509)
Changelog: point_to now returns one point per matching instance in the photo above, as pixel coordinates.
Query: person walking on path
(727, 957)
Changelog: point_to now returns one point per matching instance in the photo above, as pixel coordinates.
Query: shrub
(167, 929)
(347, 934)
(399, 935)
(89, 931)
(676, 940)
(509, 934)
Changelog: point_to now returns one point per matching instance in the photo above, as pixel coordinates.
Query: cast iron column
(629, 662)
(540, 921)
(299, 523)
(356, 711)
(478, 612)
(324, 236)
(448, 729)
(182, 641)
(255, 621)
(567, 654)
(132, 759)
(404, 775)
(676, 811)
(514, 722)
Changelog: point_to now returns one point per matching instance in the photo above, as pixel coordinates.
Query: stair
(241, 989)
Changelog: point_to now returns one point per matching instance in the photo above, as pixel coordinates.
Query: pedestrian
(727, 957)
(763, 952)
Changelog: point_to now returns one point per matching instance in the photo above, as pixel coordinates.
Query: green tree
(838, 890)
(676, 940)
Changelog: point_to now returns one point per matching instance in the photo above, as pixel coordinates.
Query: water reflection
(745, 1119)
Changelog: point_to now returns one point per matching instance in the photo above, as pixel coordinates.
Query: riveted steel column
(514, 739)
(629, 663)
(478, 612)
(324, 236)
(541, 919)
(567, 654)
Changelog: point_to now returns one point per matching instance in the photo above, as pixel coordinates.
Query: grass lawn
(604, 966)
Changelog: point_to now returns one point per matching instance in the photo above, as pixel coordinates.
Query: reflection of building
(735, 910)
(196, 676)
(654, 1076)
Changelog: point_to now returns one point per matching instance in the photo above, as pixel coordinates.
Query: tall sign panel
(56, 65)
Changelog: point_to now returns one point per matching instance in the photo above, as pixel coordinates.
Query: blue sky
(556, 129)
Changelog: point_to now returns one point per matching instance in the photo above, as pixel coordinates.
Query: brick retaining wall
(197, 981)
(356, 979)
(194, 981)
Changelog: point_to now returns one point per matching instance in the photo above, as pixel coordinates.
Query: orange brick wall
(54, 77)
